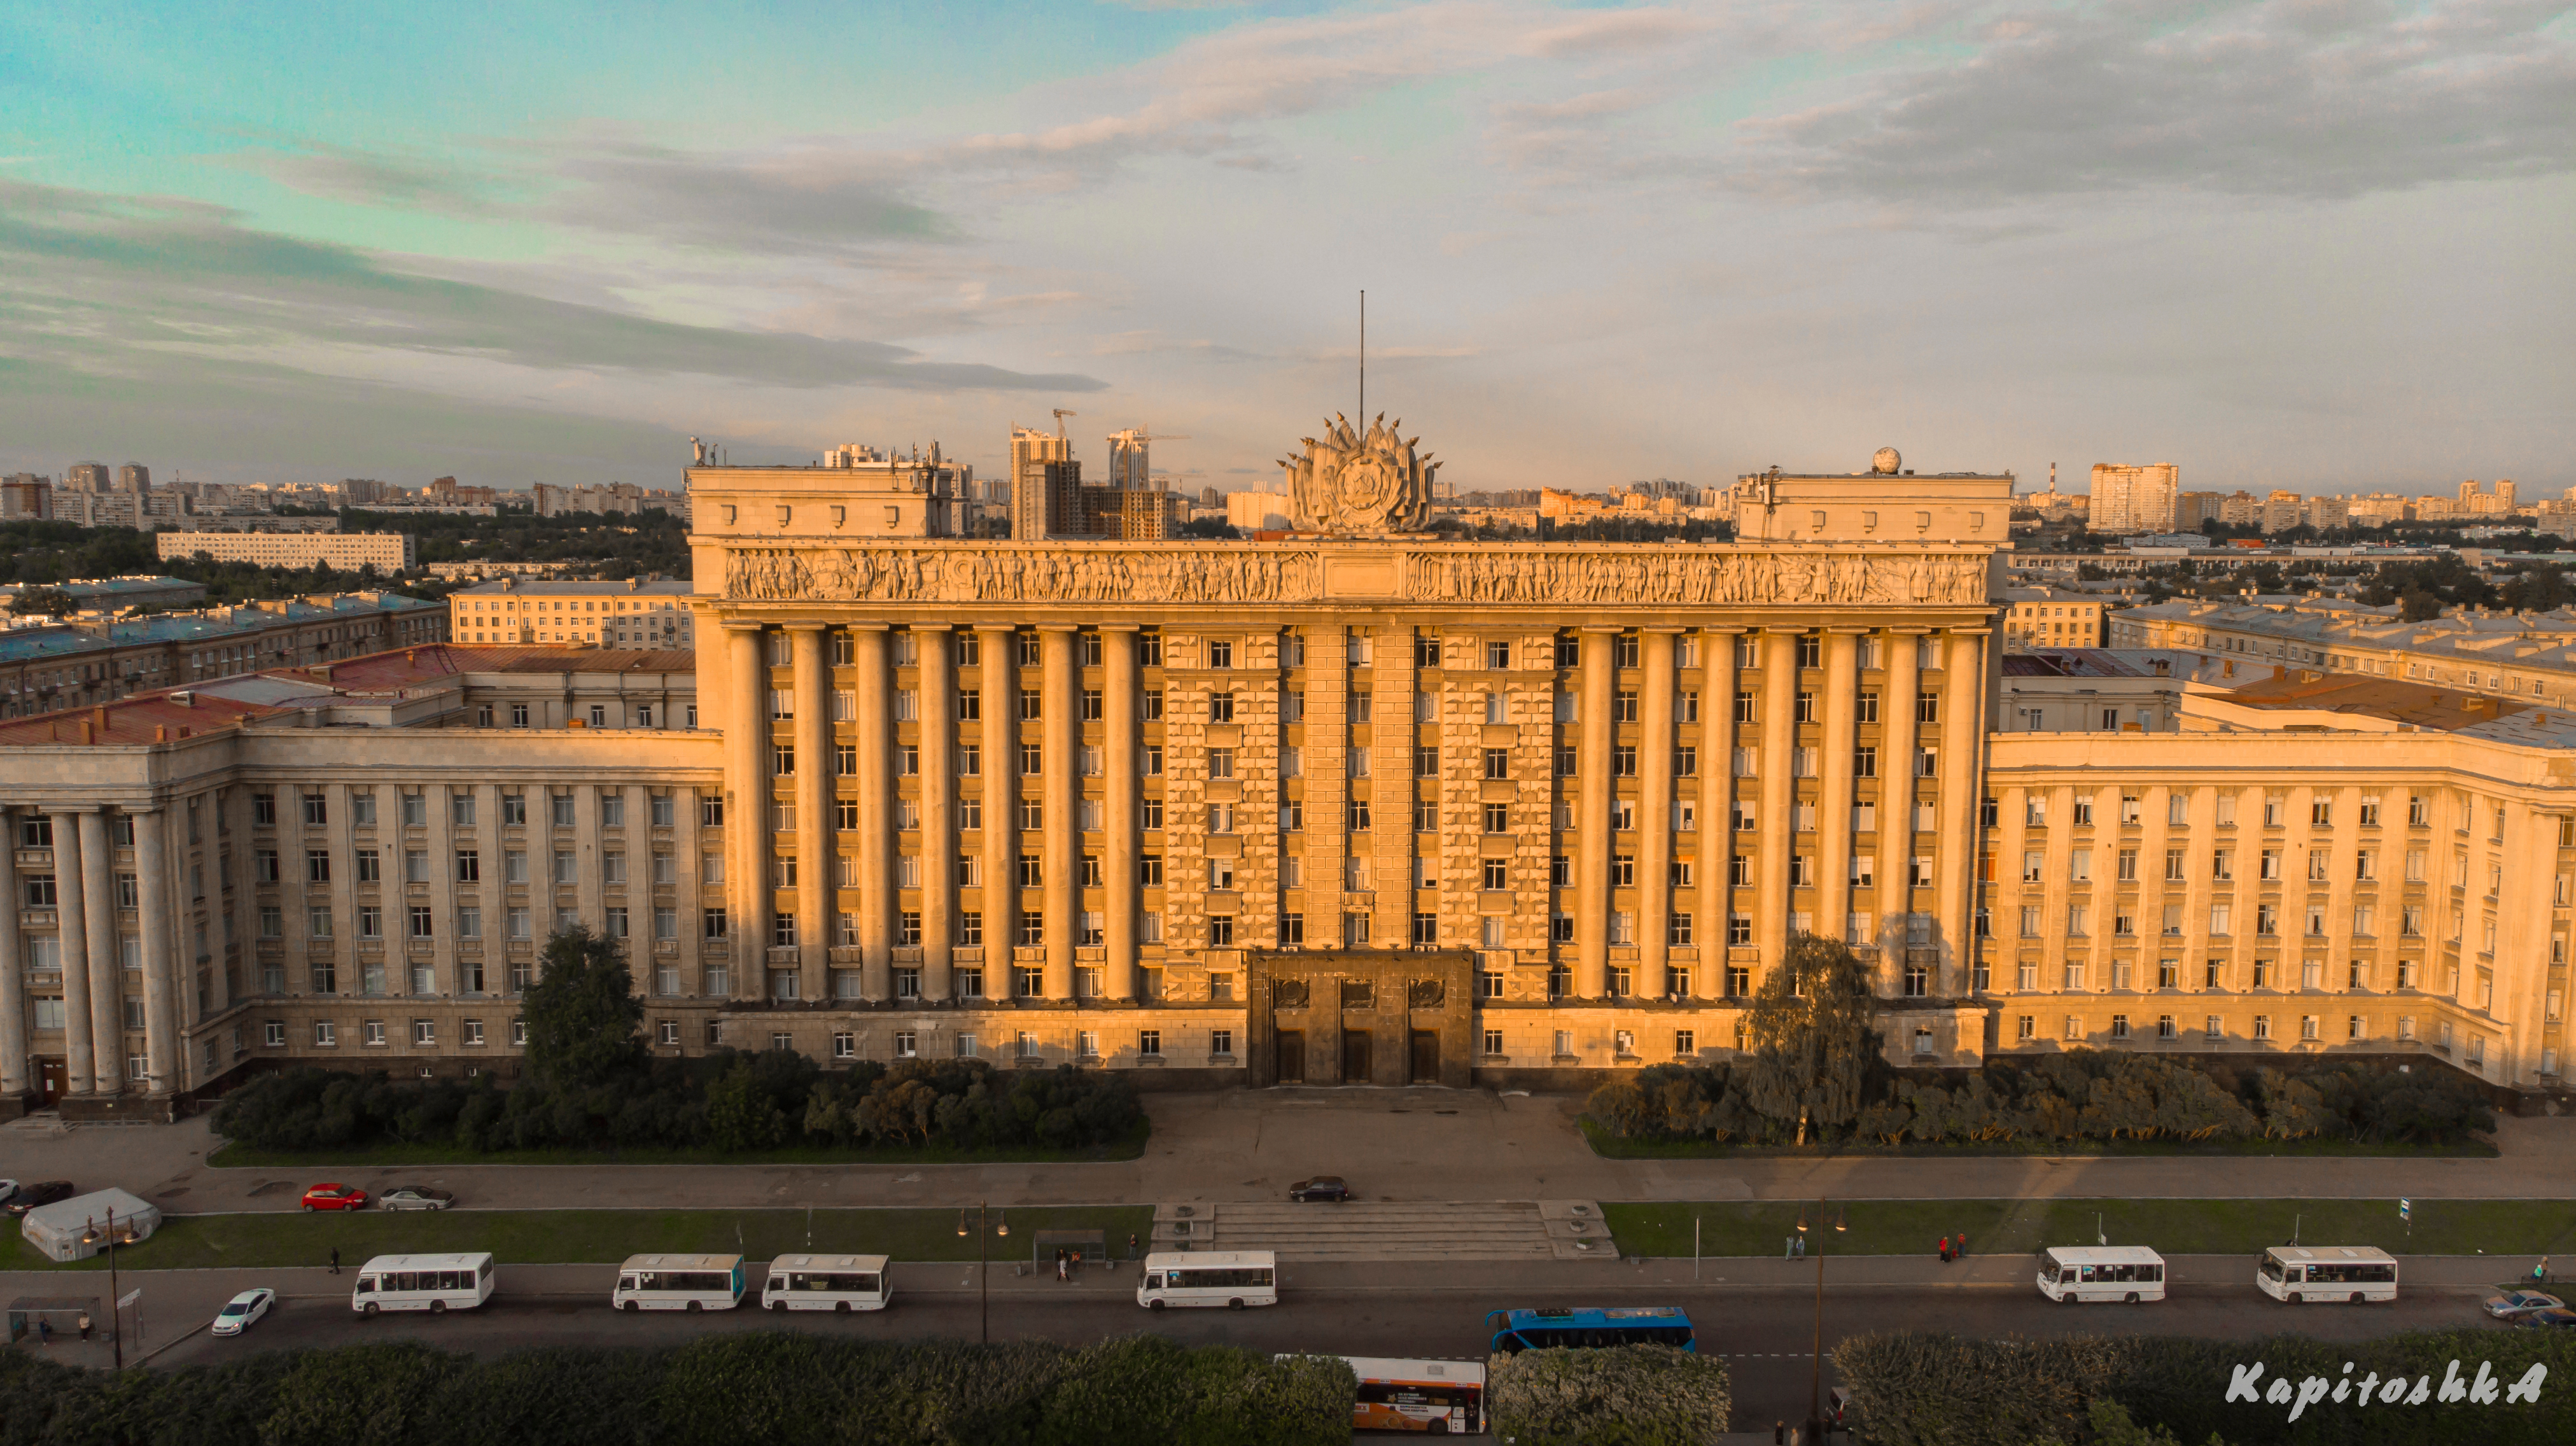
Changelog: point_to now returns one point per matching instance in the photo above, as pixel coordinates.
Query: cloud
(399, 179)
(99, 274)
(2313, 98)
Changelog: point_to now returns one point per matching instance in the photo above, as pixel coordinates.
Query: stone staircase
(1388, 1230)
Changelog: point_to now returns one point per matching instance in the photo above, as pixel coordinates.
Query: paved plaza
(1399, 1145)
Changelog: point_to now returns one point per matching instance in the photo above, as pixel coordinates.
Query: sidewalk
(1245, 1145)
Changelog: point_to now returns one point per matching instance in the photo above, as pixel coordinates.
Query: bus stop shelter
(62, 1312)
(1087, 1247)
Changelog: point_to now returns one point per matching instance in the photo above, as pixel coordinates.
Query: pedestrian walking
(84, 1325)
(2540, 1272)
(44, 1331)
(1945, 1250)
(1060, 1266)
(1789, 1248)
(1963, 1245)
(1131, 1246)
(335, 1260)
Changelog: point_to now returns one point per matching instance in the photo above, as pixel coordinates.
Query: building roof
(162, 714)
(2300, 698)
(2545, 641)
(207, 625)
(2091, 663)
(524, 587)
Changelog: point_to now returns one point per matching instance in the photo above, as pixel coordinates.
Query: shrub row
(1933, 1389)
(730, 1102)
(1618, 1396)
(755, 1389)
(2081, 1094)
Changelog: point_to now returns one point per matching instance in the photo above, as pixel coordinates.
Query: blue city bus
(1555, 1326)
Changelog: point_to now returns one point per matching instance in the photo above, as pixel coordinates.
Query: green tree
(1812, 1037)
(585, 1025)
(53, 602)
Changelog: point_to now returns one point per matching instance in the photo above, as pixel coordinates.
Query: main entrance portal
(1361, 1016)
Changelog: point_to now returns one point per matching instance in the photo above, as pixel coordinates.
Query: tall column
(160, 967)
(15, 1065)
(875, 740)
(106, 971)
(1963, 691)
(443, 841)
(1655, 744)
(71, 934)
(746, 799)
(1716, 793)
(1061, 710)
(935, 651)
(1123, 744)
(1835, 785)
(1001, 704)
(817, 822)
(1896, 788)
(1592, 840)
(1779, 726)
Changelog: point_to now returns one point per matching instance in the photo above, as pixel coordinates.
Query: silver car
(415, 1197)
(2515, 1304)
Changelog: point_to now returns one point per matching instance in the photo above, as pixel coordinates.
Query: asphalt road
(1766, 1334)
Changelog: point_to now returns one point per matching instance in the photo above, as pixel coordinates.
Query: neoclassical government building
(1359, 807)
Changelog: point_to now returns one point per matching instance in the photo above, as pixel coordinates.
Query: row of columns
(817, 845)
(90, 949)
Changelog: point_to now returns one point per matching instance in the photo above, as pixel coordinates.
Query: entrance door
(53, 1076)
(1355, 1056)
(1426, 1057)
(1292, 1056)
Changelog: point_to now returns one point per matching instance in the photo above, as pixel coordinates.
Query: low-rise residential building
(604, 613)
(386, 552)
(2525, 656)
(2050, 617)
(117, 594)
(2092, 690)
(84, 662)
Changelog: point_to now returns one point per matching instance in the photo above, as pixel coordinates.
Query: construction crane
(1060, 415)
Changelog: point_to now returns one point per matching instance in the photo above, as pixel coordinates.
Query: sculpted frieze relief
(1462, 574)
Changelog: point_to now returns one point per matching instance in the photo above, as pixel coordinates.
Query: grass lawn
(2175, 1227)
(243, 1157)
(563, 1237)
(1612, 1147)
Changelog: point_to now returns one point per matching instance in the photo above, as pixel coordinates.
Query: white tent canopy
(57, 1229)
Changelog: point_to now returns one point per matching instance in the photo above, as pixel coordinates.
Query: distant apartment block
(115, 594)
(80, 664)
(2047, 617)
(340, 551)
(2134, 499)
(633, 613)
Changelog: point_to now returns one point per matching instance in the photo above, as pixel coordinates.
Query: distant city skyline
(2283, 246)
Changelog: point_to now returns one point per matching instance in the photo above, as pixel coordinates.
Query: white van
(841, 1283)
(434, 1283)
(2296, 1273)
(678, 1282)
(2101, 1272)
(1232, 1278)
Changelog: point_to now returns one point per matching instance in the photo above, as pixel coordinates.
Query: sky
(2319, 244)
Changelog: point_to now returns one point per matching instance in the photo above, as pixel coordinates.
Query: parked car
(1322, 1187)
(415, 1197)
(7, 1189)
(43, 1192)
(2554, 1319)
(335, 1197)
(2515, 1304)
(242, 1311)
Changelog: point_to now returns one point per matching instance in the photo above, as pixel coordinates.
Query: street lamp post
(116, 1317)
(983, 1266)
(1834, 1216)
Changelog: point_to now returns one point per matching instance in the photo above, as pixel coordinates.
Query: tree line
(1814, 1071)
(591, 1082)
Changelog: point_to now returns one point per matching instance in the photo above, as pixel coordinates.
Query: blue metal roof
(30, 644)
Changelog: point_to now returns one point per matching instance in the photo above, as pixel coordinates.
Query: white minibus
(678, 1282)
(2101, 1272)
(1233, 1278)
(841, 1283)
(2297, 1273)
(434, 1283)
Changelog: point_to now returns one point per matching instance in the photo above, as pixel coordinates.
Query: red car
(335, 1197)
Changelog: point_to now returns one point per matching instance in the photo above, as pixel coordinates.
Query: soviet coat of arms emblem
(1359, 485)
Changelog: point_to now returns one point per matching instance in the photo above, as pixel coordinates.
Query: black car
(43, 1192)
(1322, 1187)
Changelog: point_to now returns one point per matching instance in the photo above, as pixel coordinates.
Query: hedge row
(2081, 1094)
(1618, 1396)
(729, 1101)
(1934, 1389)
(758, 1389)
